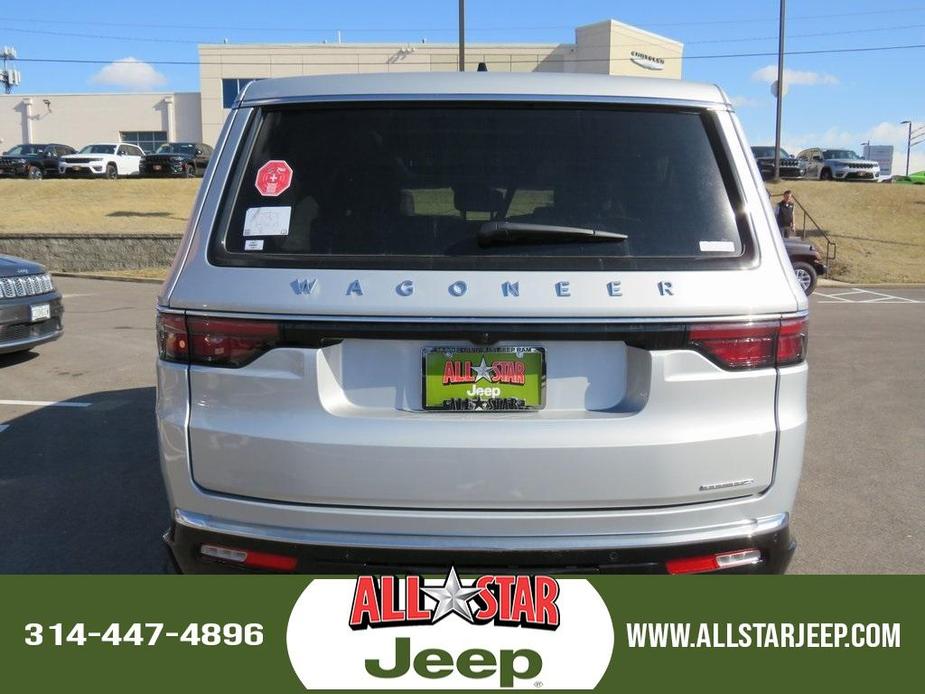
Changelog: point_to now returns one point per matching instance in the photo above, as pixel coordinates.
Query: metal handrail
(831, 248)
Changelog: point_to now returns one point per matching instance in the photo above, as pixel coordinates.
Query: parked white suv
(109, 159)
(839, 164)
(529, 321)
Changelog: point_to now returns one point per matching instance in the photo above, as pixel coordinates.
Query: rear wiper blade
(514, 232)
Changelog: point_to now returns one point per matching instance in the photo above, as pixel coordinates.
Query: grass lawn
(879, 228)
(96, 205)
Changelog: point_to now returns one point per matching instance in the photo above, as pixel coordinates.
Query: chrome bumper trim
(742, 529)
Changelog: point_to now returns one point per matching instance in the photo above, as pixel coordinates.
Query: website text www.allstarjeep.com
(762, 635)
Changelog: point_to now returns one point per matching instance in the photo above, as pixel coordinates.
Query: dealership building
(150, 118)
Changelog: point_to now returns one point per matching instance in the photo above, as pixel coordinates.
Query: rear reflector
(255, 560)
(713, 562)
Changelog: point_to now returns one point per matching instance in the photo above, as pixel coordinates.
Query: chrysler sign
(649, 62)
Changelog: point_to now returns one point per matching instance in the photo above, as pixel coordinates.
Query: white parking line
(4, 427)
(45, 403)
(856, 295)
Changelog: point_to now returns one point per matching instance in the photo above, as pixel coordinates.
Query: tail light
(172, 339)
(234, 342)
(226, 342)
(751, 345)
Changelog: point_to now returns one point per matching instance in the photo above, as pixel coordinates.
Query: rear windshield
(387, 186)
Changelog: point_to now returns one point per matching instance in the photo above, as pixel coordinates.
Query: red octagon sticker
(274, 178)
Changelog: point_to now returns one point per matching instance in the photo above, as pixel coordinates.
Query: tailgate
(344, 424)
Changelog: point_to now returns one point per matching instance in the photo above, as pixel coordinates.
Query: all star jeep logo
(485, 632)
(505, 600)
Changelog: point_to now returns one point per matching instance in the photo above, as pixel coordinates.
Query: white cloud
(745, 101)
(129, 73)
(768, 74)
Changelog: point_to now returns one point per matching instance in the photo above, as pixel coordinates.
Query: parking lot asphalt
(81, 492)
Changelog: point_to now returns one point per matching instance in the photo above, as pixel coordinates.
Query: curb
(92, 276)
(886, 285)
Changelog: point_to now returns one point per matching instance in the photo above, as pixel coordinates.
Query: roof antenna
(483, 67)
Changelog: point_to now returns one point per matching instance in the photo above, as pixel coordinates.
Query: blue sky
(833, 100)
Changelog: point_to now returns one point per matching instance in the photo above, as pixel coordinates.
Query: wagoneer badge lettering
(459, 288)
(303, 286)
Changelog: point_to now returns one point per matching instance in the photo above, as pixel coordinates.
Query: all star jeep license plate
(500, 379)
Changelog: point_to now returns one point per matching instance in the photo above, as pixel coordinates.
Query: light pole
(462, 35)
(780, 88)
(908, 144)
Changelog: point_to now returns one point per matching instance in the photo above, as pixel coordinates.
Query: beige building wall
(80, 119)
(607, 47)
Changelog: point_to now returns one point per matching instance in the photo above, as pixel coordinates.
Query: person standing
(785, 215)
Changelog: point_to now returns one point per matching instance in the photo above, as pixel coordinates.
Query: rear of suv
(540, 322)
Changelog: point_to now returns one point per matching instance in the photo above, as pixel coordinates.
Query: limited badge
(274, 178)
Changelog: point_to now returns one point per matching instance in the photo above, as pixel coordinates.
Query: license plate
(501, 379)
(40, 312)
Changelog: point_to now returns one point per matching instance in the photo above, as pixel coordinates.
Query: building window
(148, 140)
(232, 87)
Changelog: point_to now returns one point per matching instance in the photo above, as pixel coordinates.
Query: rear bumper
(333, 553)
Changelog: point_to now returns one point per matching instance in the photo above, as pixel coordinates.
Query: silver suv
(540, 322)
(838, 164)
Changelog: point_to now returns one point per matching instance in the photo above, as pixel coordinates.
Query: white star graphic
(452, 597)
(483, 370)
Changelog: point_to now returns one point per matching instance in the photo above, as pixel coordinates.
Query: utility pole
(9, 76)
(908, 144)
(462, 35)
(780, 87)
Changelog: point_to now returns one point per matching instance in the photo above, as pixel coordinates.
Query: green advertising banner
(290, 634)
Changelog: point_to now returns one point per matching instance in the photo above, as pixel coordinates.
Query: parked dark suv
(186, 159)
(807, 263)
(790, 166)
(30, 307)
(33, 161)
